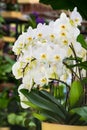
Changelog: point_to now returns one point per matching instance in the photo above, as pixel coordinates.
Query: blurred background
(15, 17)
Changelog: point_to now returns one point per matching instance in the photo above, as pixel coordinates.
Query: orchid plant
(51, 61)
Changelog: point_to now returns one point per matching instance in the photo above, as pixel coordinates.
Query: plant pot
(51, 126)
(4, 128)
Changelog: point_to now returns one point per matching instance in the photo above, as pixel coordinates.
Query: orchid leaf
(39, 101)
(82, 65)
(49, 97)
(43, 104)
(40, 116)
(82, 111)
(75, 119)
(82, 41)
(45, 116)
(76, 94)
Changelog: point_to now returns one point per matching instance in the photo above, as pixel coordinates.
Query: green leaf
(12, 118)
(40, 116)
(16, 119)
(32, 124)
(45, 116)
(76, 94)
(82, 41)
(52, 117)
(2, 19)
(69, 60)
(3, 103)
(43, 103)
(49, 97)
(9, 60)
(82, 111)
(30, 104)
(19, 120)
(84, 81)
(38, 100)
(82, 65)
(74, 119)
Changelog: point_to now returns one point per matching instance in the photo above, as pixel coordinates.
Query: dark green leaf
(84, 80)
(70, 59)
(82, 65)
(74, 119)
(46, 116)
(82, 111)
(82, 41)
(3, 103)
(44, 104)
(49, 97)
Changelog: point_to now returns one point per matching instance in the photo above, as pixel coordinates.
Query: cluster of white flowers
(40, 51)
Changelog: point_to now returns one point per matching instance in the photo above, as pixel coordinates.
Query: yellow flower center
(65, 42)
(52, 36)
(44, 80)
(76, 20)
(63, 34)
(30, 38)
(57, 57)
(40, 35)
(63, 26)
(43, 56)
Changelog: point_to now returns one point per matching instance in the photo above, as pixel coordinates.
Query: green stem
(73, 73)
(79, 70)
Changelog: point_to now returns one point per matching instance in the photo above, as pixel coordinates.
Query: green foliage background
(68, 4)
